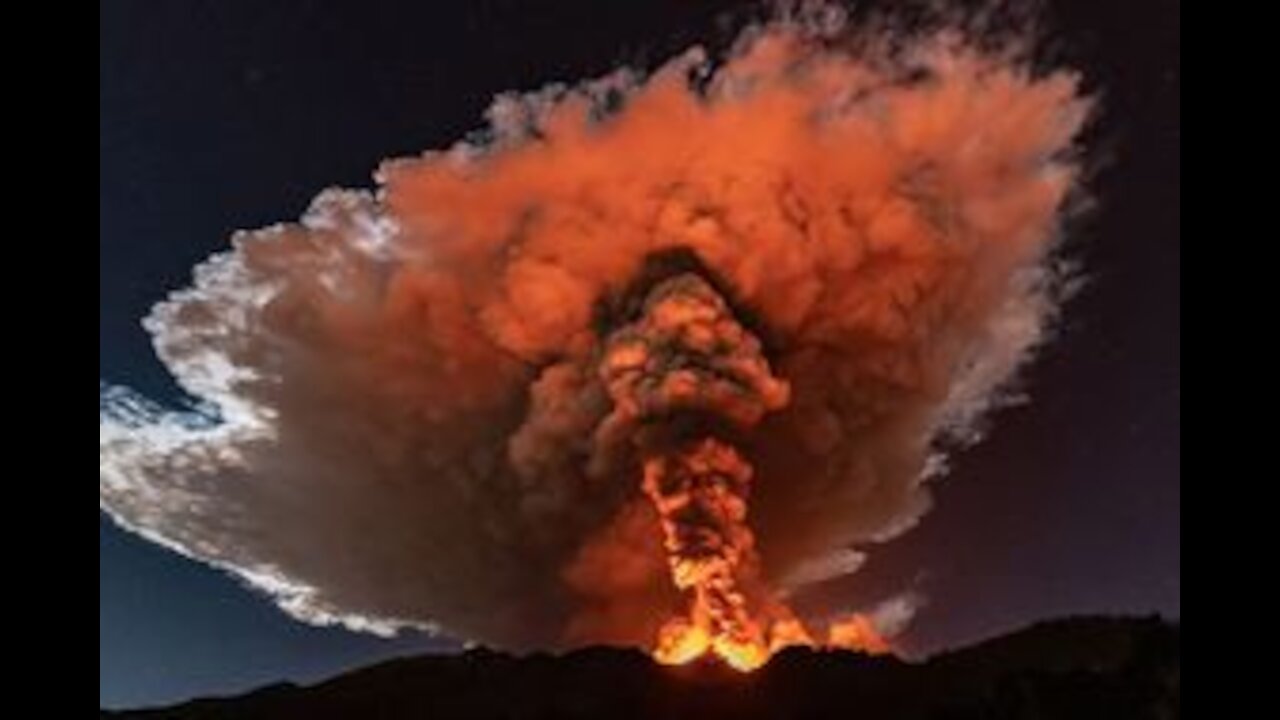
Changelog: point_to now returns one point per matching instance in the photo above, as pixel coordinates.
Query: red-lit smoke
(446, 404)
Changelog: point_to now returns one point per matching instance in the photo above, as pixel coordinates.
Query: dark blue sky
(216, 116)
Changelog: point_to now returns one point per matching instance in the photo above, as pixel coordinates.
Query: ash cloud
(397, 404)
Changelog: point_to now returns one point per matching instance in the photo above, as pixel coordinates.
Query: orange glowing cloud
(403, 417)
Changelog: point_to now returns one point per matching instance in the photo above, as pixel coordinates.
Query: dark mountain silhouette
(1073, 668)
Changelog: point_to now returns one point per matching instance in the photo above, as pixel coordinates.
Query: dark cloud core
(400, 418)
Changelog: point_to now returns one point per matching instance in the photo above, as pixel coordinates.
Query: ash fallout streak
(646, 358)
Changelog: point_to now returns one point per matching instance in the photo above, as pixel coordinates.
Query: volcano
(1084, 667)
(635, 363)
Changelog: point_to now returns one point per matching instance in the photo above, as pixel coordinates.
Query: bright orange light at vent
(742, 657)
(680, 642)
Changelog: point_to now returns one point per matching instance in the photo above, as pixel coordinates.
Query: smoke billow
(414, 406)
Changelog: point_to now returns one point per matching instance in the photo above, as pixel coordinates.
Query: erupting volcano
(642, 363)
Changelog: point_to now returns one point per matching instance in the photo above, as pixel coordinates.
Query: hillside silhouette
(1088, 667)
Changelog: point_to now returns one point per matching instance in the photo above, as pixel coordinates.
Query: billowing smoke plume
(434, 405)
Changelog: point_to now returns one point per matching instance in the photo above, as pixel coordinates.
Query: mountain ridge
(1084, 666)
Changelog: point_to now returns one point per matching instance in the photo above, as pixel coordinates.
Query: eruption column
(683, 377)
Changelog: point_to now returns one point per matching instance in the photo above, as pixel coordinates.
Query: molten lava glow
(681, 641)
(743, 657)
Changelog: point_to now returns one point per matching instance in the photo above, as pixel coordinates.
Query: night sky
(216, 116)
